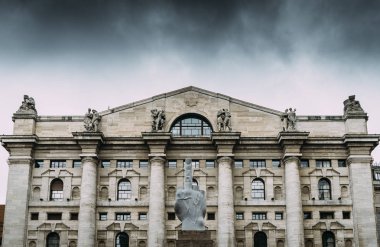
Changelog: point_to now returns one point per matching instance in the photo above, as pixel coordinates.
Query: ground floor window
(328, 239)
(52, 240)
(122, 240)
(260, 240)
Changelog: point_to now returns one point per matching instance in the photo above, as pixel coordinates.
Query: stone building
(271, 178)
(376, 185)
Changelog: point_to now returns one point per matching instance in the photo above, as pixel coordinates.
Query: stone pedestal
(194, 239)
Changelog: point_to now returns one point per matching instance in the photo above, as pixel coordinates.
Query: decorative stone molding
(157, 160)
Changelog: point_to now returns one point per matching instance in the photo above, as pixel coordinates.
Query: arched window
(191, 125)
(52, 240)
(258, 189)
(56, 190)
(122, 240)
(260, 240)
(324, 189)
(124, 191)
(328, 239)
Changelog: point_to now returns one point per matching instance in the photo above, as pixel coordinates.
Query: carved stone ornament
(352, 106)
(190, 204)
(224, 120)
(158, 120)
(27, 106)
(289, 119)
(92, 120)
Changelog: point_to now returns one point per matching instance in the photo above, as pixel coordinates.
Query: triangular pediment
(136, 118)
(324, 172)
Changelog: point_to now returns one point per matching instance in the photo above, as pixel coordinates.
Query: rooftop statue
(190, 204)
(92, 120)
(289, 119)
(27, 106)
(158, 121)
(352, 106)
(224, 120)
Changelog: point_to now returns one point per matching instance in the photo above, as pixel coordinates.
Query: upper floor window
(56, 190)
(238, 164)
(276, 163)
(143, 164)
(376, 175)
(324, 189)
(304, 163)
(195, 164)
(257, 163)
(123, 216)
(58, 164)
(323, 163)
(105, 164)
(124, 164)
(191, 125)
(258, 189)
(210, 164)
(77, 163)
(38, 164)
(259, 215)
(172, 164)
(124, 191)
(342, 163)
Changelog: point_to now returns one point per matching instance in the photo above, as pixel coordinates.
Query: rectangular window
(171, 216)
(38, 164)
(342, 163)
(102, 216)
(172, 164)
(124, 164)
(276, 163)
(73, 216)
(143, 216)
(259, 216)
(58, 164)
(105, 164)
(34, 216)
(307, 215)
(54, 216)
(143, 164)
(239, 215)
(278, 216)
(195, 164)
(238, 164)
(323, 163)
(376, 175)
(304, 163)
(77, 163)
(123, 216)
(210, 164)
(257, 163)
(346, 215)
(326, 215)
(210, 216)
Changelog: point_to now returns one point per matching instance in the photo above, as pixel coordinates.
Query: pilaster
(225, 142)
(157, 142)
(90, 143)
(20, 161)
(359, 163)
(291, 143)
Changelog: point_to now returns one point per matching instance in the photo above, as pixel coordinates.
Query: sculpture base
(194, 239)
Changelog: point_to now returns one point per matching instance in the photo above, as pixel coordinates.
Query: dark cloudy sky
(70, 55)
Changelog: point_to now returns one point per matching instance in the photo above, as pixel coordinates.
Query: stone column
(226, 213)
(291, 142)
(156, 229)
(294, 212)
(20, 163)
(89, 143)
(157, 142)
(363, 209)
(87, 210)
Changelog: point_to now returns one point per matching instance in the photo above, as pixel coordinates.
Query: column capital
(225, 159)
(157, 142)
(288, 159)
(225, 142)
(365, 159)
(157, 159)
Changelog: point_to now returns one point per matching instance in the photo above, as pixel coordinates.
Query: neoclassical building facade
(109, 178)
